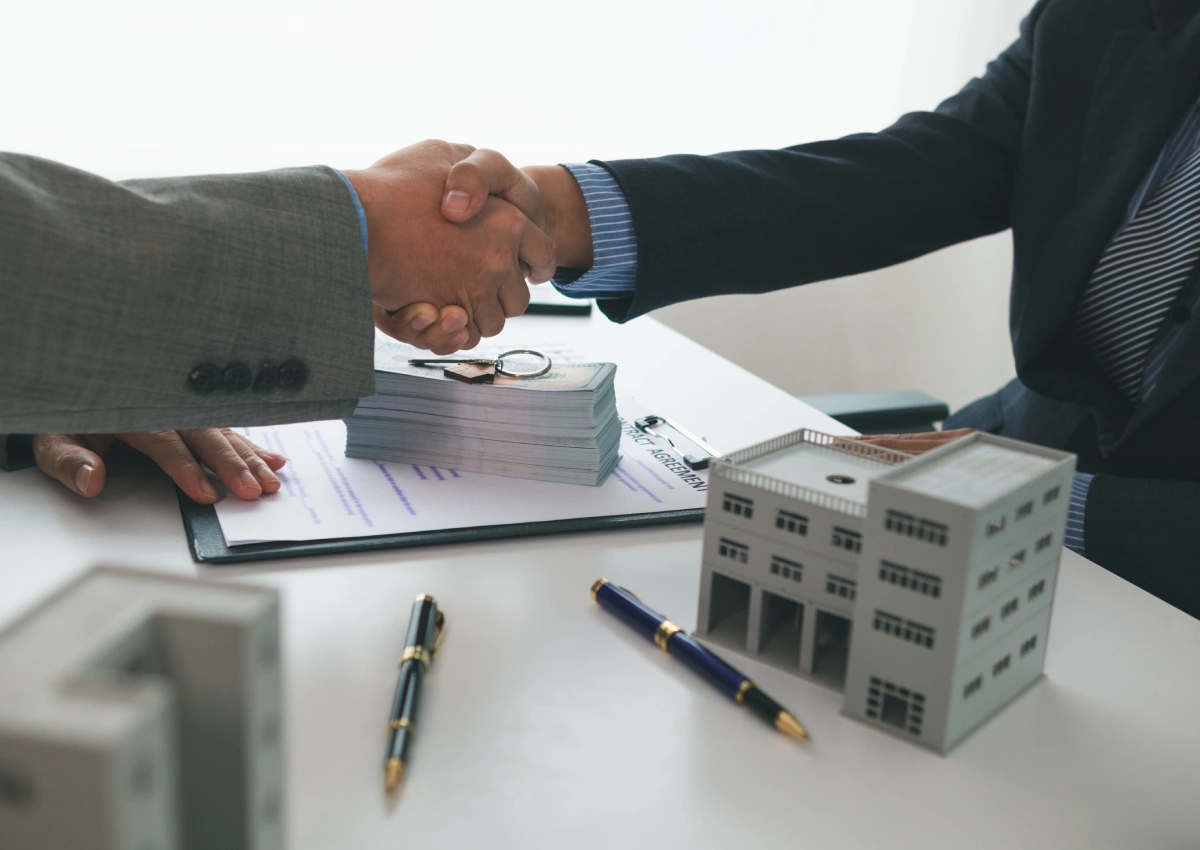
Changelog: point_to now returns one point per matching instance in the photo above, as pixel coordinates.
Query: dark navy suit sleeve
(1146, 532)
(755, 221)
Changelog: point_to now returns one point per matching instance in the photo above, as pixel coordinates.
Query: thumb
(67, 458)
(486, 172)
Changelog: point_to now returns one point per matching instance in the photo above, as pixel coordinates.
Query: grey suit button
(238, 378)
(267, 378)
(293, 375)
(204, 379)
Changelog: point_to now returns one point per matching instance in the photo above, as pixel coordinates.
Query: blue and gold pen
(673, 640)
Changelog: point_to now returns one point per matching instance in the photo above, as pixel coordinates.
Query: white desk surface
(546, 723)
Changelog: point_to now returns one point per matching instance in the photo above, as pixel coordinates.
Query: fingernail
(456, 201)
(206, 489)
(83, 477)
(461, 339)
(266, 476)
(453, 322)
(247, 478)
(421, 321)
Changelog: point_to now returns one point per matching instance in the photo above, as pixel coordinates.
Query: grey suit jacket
(114, 293)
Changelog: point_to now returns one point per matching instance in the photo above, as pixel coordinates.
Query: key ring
(497, 361)
(537, 373)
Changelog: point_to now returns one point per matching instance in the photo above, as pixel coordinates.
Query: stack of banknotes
(561, 426)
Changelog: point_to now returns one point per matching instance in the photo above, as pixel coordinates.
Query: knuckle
(518, 303)
(498, 260)
(491, 324)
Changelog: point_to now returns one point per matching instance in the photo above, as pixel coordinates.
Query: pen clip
(440, 621)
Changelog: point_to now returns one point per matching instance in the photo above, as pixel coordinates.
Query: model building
(920, 587)
(142, 710)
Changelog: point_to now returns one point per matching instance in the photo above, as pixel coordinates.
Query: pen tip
(393, 773)
(789, 725)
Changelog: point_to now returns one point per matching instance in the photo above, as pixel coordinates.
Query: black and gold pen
(426, 627)
(673, 640)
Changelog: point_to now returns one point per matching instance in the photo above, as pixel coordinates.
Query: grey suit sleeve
(114, 293)
(1146, 532)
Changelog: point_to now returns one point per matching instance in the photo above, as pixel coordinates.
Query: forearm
(116, 293)
(567, 221)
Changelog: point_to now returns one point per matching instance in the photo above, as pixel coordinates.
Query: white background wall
(149, 88)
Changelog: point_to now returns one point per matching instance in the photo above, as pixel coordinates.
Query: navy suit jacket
(1051, 143)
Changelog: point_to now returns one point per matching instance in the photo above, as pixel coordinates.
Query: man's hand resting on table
(77, 460)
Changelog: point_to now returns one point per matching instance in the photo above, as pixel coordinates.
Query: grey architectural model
(139, 710)
(921, 587)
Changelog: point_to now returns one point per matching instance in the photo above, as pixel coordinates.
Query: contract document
(326, 495)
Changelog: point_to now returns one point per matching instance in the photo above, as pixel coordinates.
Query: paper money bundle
(561, 426)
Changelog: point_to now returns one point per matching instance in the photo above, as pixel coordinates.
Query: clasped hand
(447, 269)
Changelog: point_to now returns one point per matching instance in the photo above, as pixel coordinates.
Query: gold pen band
(403, 723)
(741, 691)
(663, 634)
(420, 653)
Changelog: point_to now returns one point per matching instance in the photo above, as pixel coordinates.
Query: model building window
(906, 630)
(733, 550)
(972, 686)
(901, 576)
(889, 703)
(1025, 510)
(1050, 495)
(1043, 542)
(994, 528)
(905, 524)
(988, 577)
(1036, 588)
(738, 506)
(910, 526)
(843, 538)
(791, 523)
(785, 568)
(932, 532)
(1017, 559)
(1029, 646)
(1001, 665)
(839, 586)
(1010, 607)
(981, 627)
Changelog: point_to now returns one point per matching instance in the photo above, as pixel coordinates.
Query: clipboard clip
(694, 462)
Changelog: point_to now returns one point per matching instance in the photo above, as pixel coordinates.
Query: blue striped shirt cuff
(1073, 539)
(362, 216)
(614, 246)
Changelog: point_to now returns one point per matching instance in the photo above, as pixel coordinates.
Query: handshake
(453, 233)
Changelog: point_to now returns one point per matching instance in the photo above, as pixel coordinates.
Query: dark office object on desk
(545, 300)
(674, 641)
(426, 627)
(885, 412)
(694, 462)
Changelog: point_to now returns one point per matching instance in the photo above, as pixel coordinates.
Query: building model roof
(973, 473)
(813, 467)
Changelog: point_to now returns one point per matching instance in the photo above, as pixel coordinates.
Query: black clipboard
(208, 546)
(207, 542)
